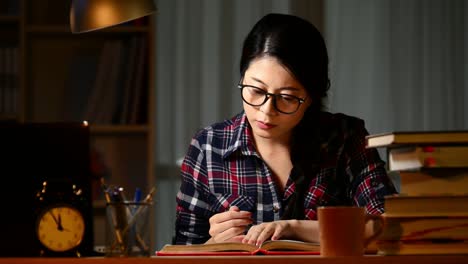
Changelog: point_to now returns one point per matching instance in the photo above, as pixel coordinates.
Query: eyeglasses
(283, 103)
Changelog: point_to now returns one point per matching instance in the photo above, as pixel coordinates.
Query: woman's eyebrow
(258, 80)
(287, 88)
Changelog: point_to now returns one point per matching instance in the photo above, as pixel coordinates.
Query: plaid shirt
(223, 169)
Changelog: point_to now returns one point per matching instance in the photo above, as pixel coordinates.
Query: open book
(270, 247)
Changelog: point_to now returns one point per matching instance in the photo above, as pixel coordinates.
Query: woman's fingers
(266, 234)
(265, 231)
(255, 234)
(237, 239)
(229, 234)
(233, 213)
(227, 225)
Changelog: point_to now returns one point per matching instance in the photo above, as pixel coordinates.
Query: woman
(262, 174)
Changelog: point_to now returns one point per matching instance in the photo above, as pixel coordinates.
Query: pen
(117, 231)
(122, 213)
(147, 199)
(132, 233)
(137, 196)
(106, 191)
(136, 199)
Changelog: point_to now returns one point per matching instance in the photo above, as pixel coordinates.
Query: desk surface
(438, 259)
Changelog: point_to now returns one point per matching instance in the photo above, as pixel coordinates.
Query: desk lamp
(89, 15)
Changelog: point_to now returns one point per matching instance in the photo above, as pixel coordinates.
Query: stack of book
(430, 215)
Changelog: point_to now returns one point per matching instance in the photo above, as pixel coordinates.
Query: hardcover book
(421, 228)
(271, 247)
(426, 205)
(400, 138)
(425, 247)
(434, 181)
(413, 158)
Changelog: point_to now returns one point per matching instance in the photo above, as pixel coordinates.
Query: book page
(215, 247)
(293, 245)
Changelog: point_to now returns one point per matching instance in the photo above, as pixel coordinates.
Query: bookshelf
(48, 74)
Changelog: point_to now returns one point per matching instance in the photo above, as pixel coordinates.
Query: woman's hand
(229, 225)
(302, 230)
(273, 230)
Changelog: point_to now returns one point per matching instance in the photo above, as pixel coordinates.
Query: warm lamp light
(88, 15)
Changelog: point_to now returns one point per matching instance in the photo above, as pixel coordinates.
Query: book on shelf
(9, 7)
(80, 81)
(132, 111)
(111, 85)
(136, 114)
(9, 85)
(118, 94)
(128, 84)
(434, 181)
(14, 68)
(9, 81)
(423, 247)
(426, 205)
(422, 228)
(415, 157)
(270, 247)
(97, 92)
(400, 138)
(3, 83)
(103, 99)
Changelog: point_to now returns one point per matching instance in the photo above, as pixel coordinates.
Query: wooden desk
(448, 259)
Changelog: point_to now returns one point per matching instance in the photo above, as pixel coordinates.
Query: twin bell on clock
(46, 190)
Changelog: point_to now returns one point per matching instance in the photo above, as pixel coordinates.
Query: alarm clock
(61, 227)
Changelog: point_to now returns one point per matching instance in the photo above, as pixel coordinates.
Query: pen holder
(127, 229)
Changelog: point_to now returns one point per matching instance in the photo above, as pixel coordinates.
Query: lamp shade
(88, 15)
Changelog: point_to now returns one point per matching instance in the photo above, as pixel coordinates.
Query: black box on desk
(42, 166)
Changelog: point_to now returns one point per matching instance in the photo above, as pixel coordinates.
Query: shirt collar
(242, 138)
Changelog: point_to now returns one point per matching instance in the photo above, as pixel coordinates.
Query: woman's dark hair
(300, 47)
(296, 44)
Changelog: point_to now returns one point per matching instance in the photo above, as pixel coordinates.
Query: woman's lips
(263, 125)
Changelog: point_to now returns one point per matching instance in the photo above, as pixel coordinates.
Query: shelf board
(4, 117)
(65, 29)
(9, 18)
(118, 129)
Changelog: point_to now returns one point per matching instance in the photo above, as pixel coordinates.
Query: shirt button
(275, 209)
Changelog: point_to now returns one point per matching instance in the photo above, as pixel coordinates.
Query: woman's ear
(308, 102)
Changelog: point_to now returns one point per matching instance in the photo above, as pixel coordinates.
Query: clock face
(60, 228)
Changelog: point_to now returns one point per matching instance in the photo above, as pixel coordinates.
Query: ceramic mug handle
(378, 219)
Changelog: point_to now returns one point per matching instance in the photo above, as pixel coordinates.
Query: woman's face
(269, 75)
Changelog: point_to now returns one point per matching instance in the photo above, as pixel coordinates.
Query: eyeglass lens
(284, 103)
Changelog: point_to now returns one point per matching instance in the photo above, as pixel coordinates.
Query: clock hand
(55, 219)
(60, 227)
(59, 224)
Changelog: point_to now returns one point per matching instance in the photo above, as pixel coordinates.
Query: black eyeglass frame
(274, 96)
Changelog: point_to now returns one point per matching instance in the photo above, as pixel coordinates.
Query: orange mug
(342, 230)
